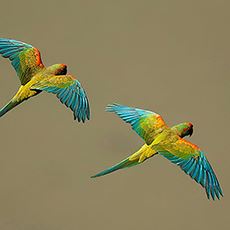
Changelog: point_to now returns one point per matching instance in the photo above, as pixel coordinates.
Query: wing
(70, 93)
(194, 163)
(25, 59)
(147, 124)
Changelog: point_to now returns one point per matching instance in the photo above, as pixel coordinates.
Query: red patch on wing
(181, 140)
(38, 57)
(192, 145)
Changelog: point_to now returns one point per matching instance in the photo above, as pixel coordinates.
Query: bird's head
(184, 129)
(57, 69)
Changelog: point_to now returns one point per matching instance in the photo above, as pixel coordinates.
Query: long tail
(123, 164)
(8, 107)
(138, 157)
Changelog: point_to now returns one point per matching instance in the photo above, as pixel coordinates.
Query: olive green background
(171, 57)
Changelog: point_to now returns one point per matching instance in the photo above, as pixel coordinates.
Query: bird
(168, 142)
(36, 78)
(146, 152)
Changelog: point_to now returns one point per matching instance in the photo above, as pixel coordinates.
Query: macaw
(35, 78)
(167, 142)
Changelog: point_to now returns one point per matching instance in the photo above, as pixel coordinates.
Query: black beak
(191, 132)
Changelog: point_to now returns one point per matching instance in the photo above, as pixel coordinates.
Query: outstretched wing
(70, 93)
(25, 59)
(147, 124)
(194, 163)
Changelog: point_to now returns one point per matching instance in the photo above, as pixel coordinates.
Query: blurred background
(171, 57)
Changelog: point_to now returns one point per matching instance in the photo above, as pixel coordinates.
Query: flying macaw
(35, 78)
(167, 142)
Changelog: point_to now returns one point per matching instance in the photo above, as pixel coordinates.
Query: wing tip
(111, 107)
(81, 114)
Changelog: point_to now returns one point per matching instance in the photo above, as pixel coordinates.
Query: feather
(70, 93)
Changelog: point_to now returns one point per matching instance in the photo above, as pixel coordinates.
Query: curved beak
(191, 132)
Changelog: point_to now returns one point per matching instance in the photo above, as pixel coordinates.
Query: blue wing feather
(142, 121)
(73, 96)
(13, 50)
(129, 114)
(199, 169)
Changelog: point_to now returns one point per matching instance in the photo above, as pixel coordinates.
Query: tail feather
(123, 164)
(138, 157)
(8, 107)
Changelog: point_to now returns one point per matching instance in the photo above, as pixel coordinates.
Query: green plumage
(168, 142)
(35, 78)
